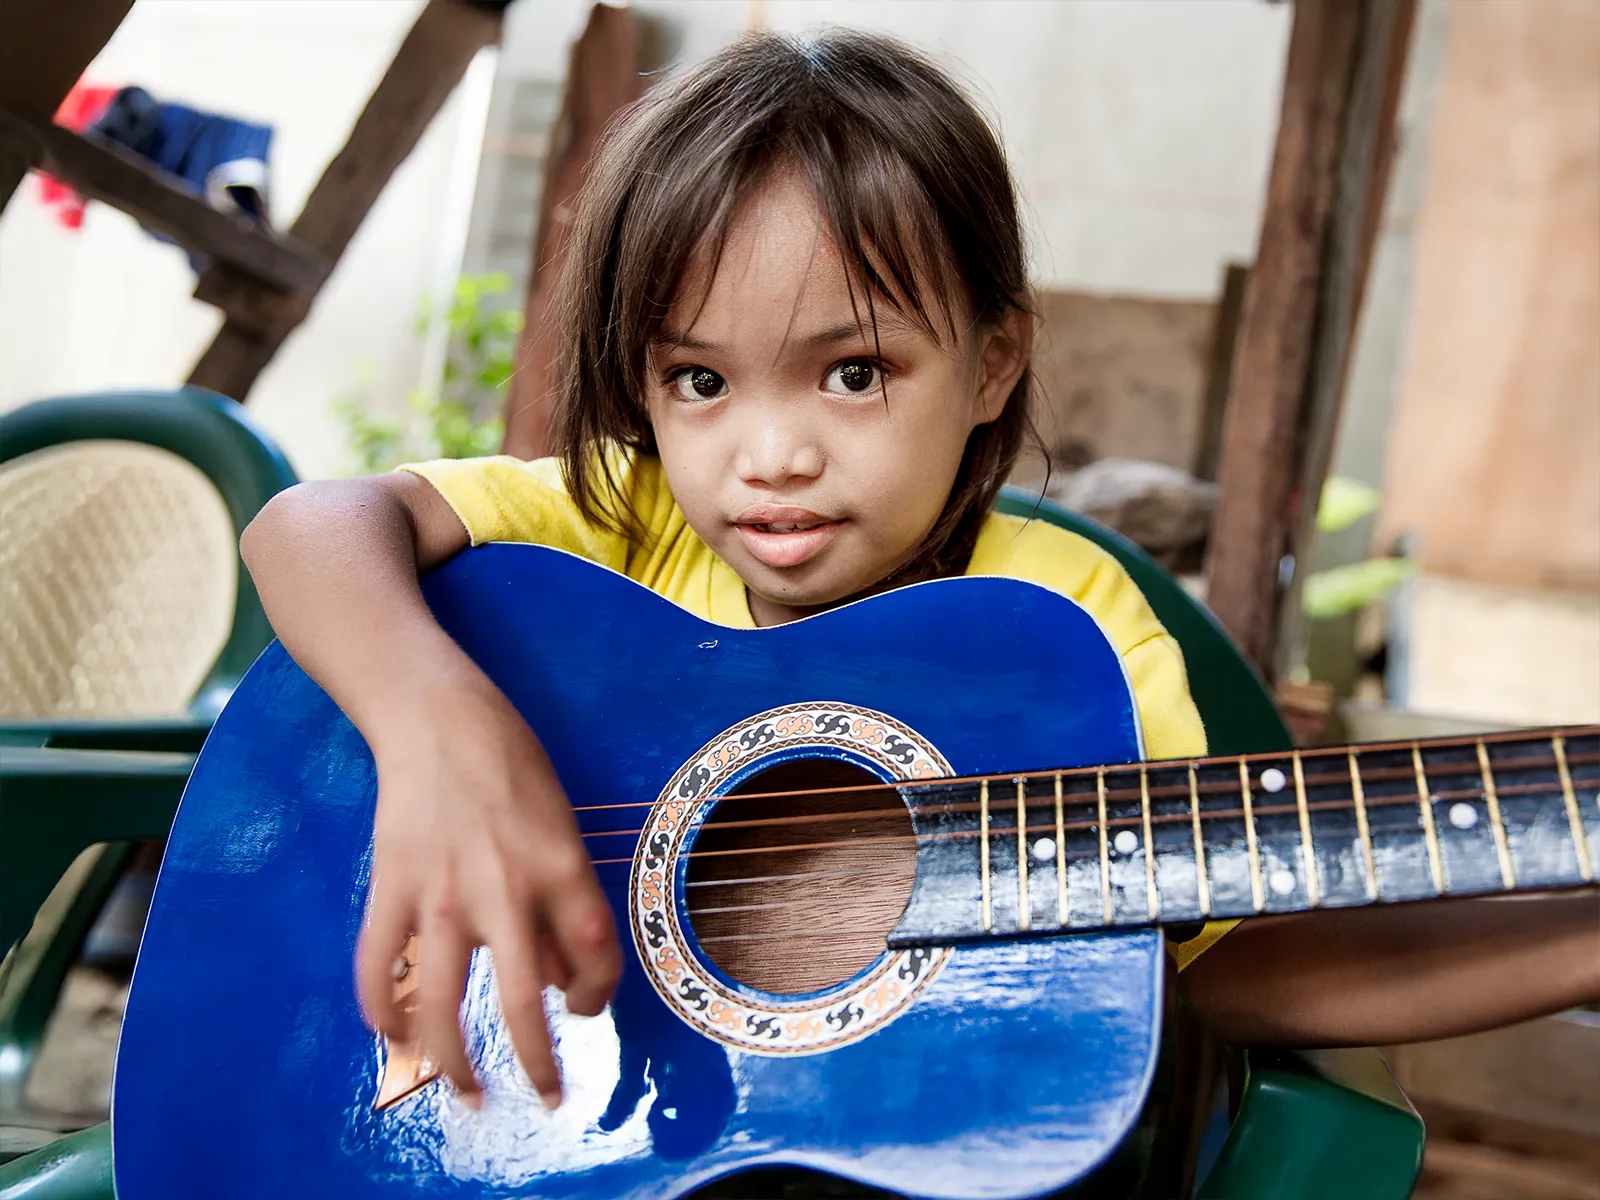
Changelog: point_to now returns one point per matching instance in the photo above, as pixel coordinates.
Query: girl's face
(767, 401)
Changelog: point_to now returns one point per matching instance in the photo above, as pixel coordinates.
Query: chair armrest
(56, 803)
(1321, 1125)
(76, 1167)
(180, 734)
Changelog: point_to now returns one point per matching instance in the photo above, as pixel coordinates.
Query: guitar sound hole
(816, 882)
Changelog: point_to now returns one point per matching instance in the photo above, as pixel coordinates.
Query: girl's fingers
(553, 966)
(438, 1018)
(518, 951)
(389, 923)
(582, 925)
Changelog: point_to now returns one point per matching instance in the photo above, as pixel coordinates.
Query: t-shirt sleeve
(1170, 723)
(1167, 715)
(505, 499)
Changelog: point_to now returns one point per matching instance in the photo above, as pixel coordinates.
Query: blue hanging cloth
(222, 158)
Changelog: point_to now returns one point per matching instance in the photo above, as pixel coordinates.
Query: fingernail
(473, 1100)
(551, 1099)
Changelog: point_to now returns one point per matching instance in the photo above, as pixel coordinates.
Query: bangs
(873, 208)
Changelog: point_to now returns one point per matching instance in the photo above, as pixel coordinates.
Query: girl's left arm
(1405, 973)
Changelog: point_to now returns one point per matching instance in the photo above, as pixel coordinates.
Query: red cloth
(84, 105)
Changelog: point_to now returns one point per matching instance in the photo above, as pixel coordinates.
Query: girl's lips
(781, 550)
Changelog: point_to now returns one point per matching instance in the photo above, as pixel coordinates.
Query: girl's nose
(773, 456)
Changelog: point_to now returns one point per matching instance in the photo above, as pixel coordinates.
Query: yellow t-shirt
(510, 500)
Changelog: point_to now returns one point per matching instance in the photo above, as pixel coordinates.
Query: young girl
(793, 372)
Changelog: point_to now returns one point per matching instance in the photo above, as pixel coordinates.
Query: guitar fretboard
(1180, 841)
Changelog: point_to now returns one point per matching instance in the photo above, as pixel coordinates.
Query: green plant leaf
(1350, 588)
(446, 418)
(1344, 502)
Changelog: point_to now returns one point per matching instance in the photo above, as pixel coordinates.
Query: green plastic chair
(67, 784)
(1296, 1117)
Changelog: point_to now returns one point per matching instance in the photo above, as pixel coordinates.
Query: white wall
(1140, 131)
(109, 307)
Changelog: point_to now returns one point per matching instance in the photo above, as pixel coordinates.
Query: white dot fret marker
(1463, 816)
(1281, 881)
(1273, 780)
(1044, 849)
(1126, 842)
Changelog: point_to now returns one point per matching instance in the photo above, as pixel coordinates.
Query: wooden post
(602, 77)
(1301, 300)
(443, 41)
(44, 47)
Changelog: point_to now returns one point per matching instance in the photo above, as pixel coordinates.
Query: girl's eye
(854, 377)
(699, 383)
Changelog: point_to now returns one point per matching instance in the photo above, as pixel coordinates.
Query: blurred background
(1407, 544)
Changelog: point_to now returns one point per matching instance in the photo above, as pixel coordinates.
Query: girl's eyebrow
(844, 331)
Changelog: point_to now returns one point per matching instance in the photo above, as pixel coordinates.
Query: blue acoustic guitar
(841, 852)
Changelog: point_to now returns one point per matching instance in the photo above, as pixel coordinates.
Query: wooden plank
(602, 77)
(1299, 306)
(44, 47)
(1361, 187)
(104, 171)
(430, 62)
(1493, 449)
(1544, 1072)
(21, 148)
(1219, 370)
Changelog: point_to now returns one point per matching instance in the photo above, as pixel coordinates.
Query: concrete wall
(1139, 130)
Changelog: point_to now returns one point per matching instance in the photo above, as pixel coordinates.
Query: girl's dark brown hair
(913, 189)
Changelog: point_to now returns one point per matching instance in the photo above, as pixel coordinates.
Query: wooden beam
(602, 77)
(430, 62)
(105, 171)
(1361, 187)
(1300, 304)
(44, 47)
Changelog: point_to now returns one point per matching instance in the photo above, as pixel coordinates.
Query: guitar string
(1439, 794)
(1130, 821)
(1544, 762)
(896, 790)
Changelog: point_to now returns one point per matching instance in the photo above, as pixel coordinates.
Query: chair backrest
(119, 558)
(1238, 711)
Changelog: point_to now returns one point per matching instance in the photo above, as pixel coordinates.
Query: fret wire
(1024, 909)
(1105, 849)
(1358, 794)
(1312, 892)
(983, 852)
(1061, 858)
(1257, 897)
(1203, 885)
(1430, 834)
(1152, 901)
(1501, 845)
(1574, 820)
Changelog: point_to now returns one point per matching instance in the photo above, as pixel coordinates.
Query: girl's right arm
(474, 842)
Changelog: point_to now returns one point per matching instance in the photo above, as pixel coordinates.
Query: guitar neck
(1173, 842)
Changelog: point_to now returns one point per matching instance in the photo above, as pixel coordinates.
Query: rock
(1163, 509)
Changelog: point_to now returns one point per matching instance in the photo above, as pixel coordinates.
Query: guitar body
(998, 1070)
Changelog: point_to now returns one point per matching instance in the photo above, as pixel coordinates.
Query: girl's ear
(1004, 351)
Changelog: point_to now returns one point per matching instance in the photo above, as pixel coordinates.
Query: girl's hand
(476, 844)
